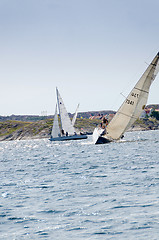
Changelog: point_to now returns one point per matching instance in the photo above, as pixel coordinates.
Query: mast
(57, 94)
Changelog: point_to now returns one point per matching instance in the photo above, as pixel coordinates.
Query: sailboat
(65, 130)
(131, 108)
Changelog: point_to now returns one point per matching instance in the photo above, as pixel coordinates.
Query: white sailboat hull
(97, 137)
(66, 138)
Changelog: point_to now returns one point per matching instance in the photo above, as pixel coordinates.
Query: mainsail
(134, 104)
(66, 123)
(55, 129)
(75, 116)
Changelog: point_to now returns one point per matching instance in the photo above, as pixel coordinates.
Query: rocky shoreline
(19, 130)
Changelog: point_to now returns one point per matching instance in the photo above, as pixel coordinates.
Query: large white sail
(55, 129)
(75, 116)
(134, 104)
(66, 123)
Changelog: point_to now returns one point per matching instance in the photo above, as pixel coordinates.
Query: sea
(80, 191)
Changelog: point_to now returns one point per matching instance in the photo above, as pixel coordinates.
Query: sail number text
(135, 95)
(129, 102)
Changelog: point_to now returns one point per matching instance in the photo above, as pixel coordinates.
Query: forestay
(66, 123)
(134, 104)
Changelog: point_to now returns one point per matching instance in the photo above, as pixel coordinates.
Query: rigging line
(123, 95)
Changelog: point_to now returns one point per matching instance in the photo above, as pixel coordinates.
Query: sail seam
(130, 116)
(141, 90)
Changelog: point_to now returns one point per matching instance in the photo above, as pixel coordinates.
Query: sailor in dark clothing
(104, 125)
(62, 131)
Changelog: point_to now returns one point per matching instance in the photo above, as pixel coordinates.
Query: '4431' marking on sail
(136, 95)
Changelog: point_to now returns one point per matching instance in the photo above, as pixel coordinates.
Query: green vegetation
(9, 127)
(155, 114)
(146, 123)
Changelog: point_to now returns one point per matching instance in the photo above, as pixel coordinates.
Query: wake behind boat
(131, 108)
(66, 130)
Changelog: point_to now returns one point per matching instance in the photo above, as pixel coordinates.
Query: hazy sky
(92, 50)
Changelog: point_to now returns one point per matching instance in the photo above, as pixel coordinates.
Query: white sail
(75, 116)
(55, 129)
(66, 123)
(134, 104)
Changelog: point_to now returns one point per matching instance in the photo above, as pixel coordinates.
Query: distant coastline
(23, 127)
(38, 129)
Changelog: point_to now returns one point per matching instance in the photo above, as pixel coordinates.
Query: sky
(94, 51)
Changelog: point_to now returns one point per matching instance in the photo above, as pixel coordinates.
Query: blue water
(77, 190)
